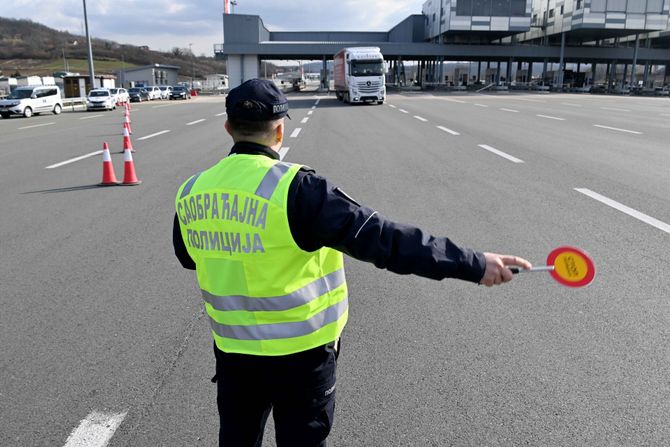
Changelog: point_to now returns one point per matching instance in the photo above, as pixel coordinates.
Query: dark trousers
(298, 388)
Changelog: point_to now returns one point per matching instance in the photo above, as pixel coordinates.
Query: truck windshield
(367, 68)
(20, 94)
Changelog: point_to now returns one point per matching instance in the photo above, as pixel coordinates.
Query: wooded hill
(29, 48)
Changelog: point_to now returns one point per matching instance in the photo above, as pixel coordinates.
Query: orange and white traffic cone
(108, 176)
(127, 144)
(127, 123)
(129, 176)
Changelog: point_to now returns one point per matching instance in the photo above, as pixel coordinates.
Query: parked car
(180, 92)
(120, 94)
(138, 94)
(165, 91)
(154, 92)
(31, 100)
(100, 99)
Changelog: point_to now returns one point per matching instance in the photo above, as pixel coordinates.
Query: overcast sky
(164, 24)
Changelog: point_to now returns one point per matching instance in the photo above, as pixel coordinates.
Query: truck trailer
(359, 75)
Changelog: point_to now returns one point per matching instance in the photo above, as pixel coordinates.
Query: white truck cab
(30, 100)
(359, 74)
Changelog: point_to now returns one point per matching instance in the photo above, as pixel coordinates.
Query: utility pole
(190, 48)
(91, 69)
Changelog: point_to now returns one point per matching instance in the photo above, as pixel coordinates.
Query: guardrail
(72, 102)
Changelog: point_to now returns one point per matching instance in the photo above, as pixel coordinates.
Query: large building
(502, 34)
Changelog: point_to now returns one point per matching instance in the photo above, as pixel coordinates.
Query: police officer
(266, 238)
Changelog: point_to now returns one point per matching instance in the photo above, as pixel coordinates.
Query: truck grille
(368, 86)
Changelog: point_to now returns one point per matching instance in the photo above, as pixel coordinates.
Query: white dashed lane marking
(617, 129)
(453, 132)
(153, 135)
(615, 109)
(403, 110)
(296, 132)
(72, 160)
(625, 209)
(509, 110)
(551, 117)
(36, 125)
(420, 118)
(304, 120)
(220, 114)
(96, 430)
(283, 151)
(480, 105)
(500, 153)
(89, 117)
(196, 122)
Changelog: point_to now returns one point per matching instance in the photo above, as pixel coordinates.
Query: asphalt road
(99, 321)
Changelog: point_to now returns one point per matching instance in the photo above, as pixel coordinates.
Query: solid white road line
(481, 105)
(500, 153)
(403, 110)
(453, 100)
(570, 104)
(36, 125)
(72, 160)
(96, 430)
(89, 117)
(420, 118)
(317, 102)
(525, 99)
(283, 151)
(617, 129)
(453, 132)
(220, 114)
(509, 110)
(309, 112)
(153, 135)
(304, 120)
(392, 106)
(615, 109)
(295, 132)
(195, 122)
(624, 209)
(551, 117)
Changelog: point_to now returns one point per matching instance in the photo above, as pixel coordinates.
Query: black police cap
(256, 100)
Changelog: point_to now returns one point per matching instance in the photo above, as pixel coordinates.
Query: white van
(30, 100)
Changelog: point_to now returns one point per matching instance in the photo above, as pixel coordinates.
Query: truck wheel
(345, 98)
(57, 109)
(27, 112)
(4, 115)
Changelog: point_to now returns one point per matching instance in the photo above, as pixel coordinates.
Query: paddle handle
(539, 268)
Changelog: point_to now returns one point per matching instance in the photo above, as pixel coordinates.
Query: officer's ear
(279, 131)
(228, 128)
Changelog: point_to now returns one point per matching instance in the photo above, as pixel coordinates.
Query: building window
(481, 8)
(636, 7)
(654, 6)
(500, 8)
(561, 9)
(518, 8)
(551, 13)
(464, 8)
(579, 4)
(616, 5)
(598, 5)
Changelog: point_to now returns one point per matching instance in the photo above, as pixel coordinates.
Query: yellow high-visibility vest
(264, 295)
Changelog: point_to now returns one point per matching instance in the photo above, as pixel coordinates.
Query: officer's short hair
(252, 129)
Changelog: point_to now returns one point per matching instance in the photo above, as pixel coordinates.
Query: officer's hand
(497, 272)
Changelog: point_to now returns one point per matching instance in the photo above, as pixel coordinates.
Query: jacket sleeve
(179, 246)
(321, 214)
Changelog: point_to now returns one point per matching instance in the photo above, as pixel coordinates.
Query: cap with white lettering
(257, 100)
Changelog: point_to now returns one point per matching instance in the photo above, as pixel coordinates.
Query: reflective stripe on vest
(188, 186)
(301, 296)
(282, 330)
(271, 180)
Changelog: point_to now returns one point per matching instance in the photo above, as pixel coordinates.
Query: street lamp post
(91, 70)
